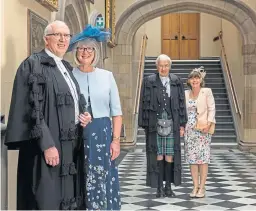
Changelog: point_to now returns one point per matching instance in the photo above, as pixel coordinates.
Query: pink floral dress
(197, 144)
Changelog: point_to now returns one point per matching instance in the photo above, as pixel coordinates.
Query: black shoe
(159, 192)
(168, 190)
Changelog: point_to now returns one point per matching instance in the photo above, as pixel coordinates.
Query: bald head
(57, 37)
(55, 24)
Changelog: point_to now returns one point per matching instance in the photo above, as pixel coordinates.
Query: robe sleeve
(142, 122)
(25, 121)
(182, 104)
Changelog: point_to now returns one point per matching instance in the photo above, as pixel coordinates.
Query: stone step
(225, 131)
(185, 75)
(153, 69)
(186, 65)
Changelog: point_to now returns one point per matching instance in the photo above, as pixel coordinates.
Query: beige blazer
(205, 105)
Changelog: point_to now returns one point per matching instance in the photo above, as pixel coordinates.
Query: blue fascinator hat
(89, 32)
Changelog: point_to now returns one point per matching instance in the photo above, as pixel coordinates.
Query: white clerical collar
(56, 58)
(164, 78)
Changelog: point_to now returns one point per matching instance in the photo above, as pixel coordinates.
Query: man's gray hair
(163, 57)
(48, 28)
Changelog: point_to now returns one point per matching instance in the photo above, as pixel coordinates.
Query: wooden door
(170, 35)
(180, 35)
(189, 36)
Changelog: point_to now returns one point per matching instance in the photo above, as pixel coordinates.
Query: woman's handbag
(164, 127)
(199, 126)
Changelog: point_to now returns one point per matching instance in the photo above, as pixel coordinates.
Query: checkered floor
(231, 184)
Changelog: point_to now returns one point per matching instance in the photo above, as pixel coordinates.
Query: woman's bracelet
(116, 138)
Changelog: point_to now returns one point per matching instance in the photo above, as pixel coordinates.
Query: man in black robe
(163, 101)
(45, 118)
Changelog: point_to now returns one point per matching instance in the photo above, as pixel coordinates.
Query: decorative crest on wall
(52, 5)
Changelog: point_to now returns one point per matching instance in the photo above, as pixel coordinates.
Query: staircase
(225, 133)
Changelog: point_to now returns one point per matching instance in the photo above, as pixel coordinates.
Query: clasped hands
(182, 131)
(206, 129)
(85, 118)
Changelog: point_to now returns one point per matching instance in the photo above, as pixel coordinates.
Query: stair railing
(138, 85)
(230, 79)
(140, 72)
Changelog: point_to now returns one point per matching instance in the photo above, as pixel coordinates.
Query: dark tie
(167, 86)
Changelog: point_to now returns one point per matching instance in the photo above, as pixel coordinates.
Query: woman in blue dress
(101, 136)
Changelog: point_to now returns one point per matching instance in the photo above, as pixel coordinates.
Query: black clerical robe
(42, 115)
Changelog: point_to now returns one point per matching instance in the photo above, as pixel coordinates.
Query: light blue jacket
(104, 95)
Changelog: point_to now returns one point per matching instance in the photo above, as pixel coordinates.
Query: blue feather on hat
(89, 32)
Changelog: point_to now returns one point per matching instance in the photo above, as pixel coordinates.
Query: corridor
(231, 184)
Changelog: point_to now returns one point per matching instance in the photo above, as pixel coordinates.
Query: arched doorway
(71, 19)
(236, 12)
(74, 13)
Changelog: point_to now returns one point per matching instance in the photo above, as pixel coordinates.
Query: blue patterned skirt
(101, 180)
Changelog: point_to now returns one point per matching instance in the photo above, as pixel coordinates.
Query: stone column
(249, 104)
(122, 65)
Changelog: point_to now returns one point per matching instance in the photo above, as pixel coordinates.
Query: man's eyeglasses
(88, 49)
(59, 35)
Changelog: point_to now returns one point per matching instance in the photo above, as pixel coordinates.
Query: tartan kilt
(165, 144)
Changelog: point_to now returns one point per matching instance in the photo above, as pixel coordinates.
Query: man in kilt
(163, 116)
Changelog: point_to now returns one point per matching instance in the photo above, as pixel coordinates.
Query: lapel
(187, 92)
(158, 81)
(46, 59)
(60, 84)
(158, 87)
(200, 101)
(171, 84)
(70, 69)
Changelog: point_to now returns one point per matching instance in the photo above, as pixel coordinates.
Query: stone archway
(71, 19)
(75, 13)
(235, 11)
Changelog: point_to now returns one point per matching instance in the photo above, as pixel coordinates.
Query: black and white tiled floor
(231, 184)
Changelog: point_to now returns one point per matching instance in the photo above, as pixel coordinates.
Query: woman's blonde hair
(91, 43)
(197, 73)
